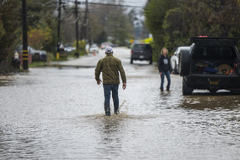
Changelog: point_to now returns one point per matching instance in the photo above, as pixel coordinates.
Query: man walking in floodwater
(110, 68)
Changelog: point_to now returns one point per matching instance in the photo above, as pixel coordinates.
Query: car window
(225, 52)
(213, 53)
(94, 45)
(142, 46)
(199, 52)
(106, 43)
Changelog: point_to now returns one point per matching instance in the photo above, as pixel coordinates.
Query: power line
(108, 4)
(44, 4)
(114, 5)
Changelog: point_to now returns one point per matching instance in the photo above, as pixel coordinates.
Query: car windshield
(94, 46)
(106, 43)
(142, 46)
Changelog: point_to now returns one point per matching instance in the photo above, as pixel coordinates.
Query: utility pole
(85, 21)
(25, 38)
(76, 12)
(59, 24)
(89, 34)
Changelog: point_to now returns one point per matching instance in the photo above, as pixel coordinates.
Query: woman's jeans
(107, 93)
(167, 74)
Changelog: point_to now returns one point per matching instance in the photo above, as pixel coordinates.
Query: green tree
(40, 14)
(8, 26)
(172, 23)
(155, 12)
(102, 37)
(2, 30)
(110, 21)
(39, 36)
(119, 27)
(82, 46)
(175, 29)
(213, 18)
(40, 10)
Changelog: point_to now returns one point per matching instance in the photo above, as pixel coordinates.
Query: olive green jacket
(110, 68)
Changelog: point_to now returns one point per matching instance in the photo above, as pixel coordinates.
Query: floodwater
(52, 113)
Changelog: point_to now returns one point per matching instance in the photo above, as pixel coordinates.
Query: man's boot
(116, 111)
(168, 87)
(107, 111)
(107, 114)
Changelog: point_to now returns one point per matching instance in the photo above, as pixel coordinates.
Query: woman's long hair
(163, 49)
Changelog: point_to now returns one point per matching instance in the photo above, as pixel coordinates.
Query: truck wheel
(131, 61)
(235, 91)
(184, 63)
(212, 91)
(175, 68)
(186, 90)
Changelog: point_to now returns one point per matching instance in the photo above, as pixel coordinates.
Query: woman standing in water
(165, 68)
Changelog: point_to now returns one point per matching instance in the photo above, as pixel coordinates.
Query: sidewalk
(87, 61)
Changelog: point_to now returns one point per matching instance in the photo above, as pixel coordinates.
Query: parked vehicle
(141, 51)
(93, 48)
(114, 45)
(37, 55)
(212, 64)
(175, 58)
(68, 48)
(105, 44)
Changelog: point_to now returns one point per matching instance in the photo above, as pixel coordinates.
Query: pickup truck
(211, 64)
(141, 51)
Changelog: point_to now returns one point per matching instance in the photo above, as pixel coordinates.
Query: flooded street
(57, 113)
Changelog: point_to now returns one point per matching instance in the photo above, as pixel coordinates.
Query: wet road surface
(57, 113)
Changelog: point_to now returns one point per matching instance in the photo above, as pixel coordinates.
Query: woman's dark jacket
(164, 64)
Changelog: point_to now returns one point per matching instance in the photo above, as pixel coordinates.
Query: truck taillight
(131, 51)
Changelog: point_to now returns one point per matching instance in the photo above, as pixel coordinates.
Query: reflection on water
(111, 131)
(5, 80)
(211, 102)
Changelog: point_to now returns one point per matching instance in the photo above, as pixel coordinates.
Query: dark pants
(107, 93)
(167, 74)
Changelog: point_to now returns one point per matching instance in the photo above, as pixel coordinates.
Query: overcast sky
(135, 2)
(140, 3)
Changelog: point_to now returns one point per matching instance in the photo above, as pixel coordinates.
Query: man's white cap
(108, 50)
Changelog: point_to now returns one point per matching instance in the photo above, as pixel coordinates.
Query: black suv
(141, 51)
(212, 64)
